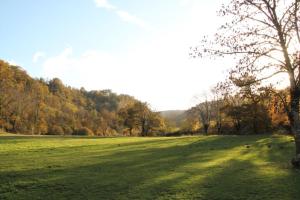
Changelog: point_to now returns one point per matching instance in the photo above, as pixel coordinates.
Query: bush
(56, 130)
(84, 131)
(68, 130)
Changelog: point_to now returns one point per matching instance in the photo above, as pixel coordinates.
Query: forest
(48, 107)
(40, 107)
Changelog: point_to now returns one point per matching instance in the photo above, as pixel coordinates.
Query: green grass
(208, 168)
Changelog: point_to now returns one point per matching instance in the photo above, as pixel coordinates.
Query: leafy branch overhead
(262, 35)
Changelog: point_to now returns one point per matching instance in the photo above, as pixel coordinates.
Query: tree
(205, 112)
(128, 118)
(138, 117)
(191, 123)
(38, 94)
(232, 103)
(217, 105)
(255, 111)
(236, 114)
(264, 37)
(277, 111)
(157, 123)
(143, 116)
(106, 121)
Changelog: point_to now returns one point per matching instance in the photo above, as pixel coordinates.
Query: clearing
(208, 168)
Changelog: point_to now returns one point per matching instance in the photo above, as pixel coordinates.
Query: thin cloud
(127, 17)
(123, 15)
(104, 4)
(14, 63)
(37, 56)
(184, 2)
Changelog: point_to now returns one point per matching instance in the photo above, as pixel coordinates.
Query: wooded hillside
(38, 106)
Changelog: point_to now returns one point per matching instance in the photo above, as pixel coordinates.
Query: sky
(135, 47)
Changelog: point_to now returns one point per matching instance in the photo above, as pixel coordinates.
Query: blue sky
(138, 47)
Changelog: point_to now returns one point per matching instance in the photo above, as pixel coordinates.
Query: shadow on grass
(175, 168)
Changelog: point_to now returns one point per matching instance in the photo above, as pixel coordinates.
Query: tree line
(40, 107)
(241, 111)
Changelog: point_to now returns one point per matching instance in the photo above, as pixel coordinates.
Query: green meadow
(203, 167)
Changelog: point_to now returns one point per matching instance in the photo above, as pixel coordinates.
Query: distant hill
(171, 113)
(175, 117)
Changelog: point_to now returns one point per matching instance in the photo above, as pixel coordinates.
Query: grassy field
(210, 168)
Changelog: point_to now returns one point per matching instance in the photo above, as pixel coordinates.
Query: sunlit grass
(215, 167)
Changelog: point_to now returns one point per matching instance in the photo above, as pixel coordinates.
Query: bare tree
(217, 105)
(264, 37)
(205, 113)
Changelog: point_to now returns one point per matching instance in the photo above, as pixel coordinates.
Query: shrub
(56, 130)
(83, 131)
(68, 130)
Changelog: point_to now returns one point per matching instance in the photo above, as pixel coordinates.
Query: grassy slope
(211, 168)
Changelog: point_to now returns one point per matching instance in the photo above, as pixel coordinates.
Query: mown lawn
(210, 168)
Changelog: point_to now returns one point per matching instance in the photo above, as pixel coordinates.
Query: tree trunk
(254, 119)
(219, 126)
(206, 128)
(297, 142)
(219, 130)
(144, 131)
(295, 123)
(14, 126)
(237, 125)
(36, 120)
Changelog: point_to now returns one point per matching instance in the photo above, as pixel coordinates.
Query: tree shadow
(190, 168)
(245, 180)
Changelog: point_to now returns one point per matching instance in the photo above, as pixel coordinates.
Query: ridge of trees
(248, 110)
(37, 106)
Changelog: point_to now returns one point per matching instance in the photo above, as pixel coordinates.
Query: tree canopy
(264, 38)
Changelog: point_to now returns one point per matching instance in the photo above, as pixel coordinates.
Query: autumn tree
(139, 117)
(106, 121)
(6, 82)
(156, 124)
(264, 37)
(277, 110)
(254, 106)
(191, 123)
(217, 105)
(205, 114)
(232, 101)
(128, 118)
